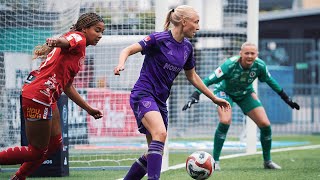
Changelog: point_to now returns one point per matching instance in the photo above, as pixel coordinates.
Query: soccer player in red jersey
(42, 89)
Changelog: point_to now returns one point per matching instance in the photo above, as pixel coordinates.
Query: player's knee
(160, 136)
(55, 144)
(36, 153)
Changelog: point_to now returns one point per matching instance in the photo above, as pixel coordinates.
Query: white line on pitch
(178, 166)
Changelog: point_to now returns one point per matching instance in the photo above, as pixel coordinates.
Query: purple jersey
(164, 59)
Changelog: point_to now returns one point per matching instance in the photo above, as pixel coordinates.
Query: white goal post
(252, 36)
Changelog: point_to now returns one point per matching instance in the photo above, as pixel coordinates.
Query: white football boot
(217, 166)
(271, 165)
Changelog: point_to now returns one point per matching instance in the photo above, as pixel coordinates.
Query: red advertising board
(118, 119)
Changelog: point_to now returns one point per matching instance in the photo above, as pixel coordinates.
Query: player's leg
(38, 126)
(254, 109)
(225, 119)
(139, 168)
(55, 144)
(153, 122)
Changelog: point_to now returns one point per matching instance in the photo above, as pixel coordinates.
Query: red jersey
(46, 84)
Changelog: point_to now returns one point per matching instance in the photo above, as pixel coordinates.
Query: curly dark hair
(86, 20)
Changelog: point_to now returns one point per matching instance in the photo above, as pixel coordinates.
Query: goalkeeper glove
(288, 100)
(194, 98)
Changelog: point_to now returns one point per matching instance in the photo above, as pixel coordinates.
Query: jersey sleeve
(147, 43)
(265, 76)
(190, 63)
(75, 40)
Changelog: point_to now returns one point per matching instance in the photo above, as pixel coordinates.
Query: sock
(138, 169)
(219, 138)
(154, 159)
(266, 140)
(21, 154)
(28, 168)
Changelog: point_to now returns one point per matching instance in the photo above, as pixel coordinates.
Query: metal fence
(302, 57)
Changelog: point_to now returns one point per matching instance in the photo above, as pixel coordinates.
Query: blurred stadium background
(292, 54)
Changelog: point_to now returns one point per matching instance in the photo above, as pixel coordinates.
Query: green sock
(266, 140)
(219, 138)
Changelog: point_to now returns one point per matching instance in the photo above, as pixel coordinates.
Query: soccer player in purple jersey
(166, 54)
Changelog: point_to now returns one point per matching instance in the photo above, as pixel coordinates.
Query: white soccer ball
(200, 165)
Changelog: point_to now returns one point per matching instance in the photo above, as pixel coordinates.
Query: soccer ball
(200, 165)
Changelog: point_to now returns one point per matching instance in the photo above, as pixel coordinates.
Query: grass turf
(298, 164)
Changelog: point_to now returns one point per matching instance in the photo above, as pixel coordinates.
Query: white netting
(25, 24)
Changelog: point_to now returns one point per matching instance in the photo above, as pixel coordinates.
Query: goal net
(114, 140)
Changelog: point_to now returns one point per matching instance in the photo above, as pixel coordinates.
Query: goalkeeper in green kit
(233, 82)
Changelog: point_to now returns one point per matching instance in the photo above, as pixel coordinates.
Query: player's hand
(194, 98)
(289, 101)
(97, 114)
(292, 104)
(224, 104)
(118, 68)
(52, 42)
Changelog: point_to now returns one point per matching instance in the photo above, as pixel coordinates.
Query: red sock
(28, 168)
(21, 154)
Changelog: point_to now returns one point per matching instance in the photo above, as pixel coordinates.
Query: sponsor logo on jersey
(74, 36)
(30, 78)
(33, 113)
(146, 104)
(218, 72)
(171, 67)
(222, 94)
(45, 92)
(45, 113)
(146, 39)
(50, 84)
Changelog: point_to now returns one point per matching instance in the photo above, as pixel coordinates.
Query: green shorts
(246, 102)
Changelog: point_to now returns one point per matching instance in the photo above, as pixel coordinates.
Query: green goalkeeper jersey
(231, 78)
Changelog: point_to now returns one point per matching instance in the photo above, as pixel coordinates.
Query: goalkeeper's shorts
(246, 103)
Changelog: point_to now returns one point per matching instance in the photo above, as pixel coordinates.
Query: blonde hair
(84, 21)
(176, 15)
(248, 44)
(41, 51)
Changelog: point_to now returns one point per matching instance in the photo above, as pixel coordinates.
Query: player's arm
(217, 76)
(58, 42)
(73, 94)
(125, 53)
(266, 77)
(196, 81)
(142, 46)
